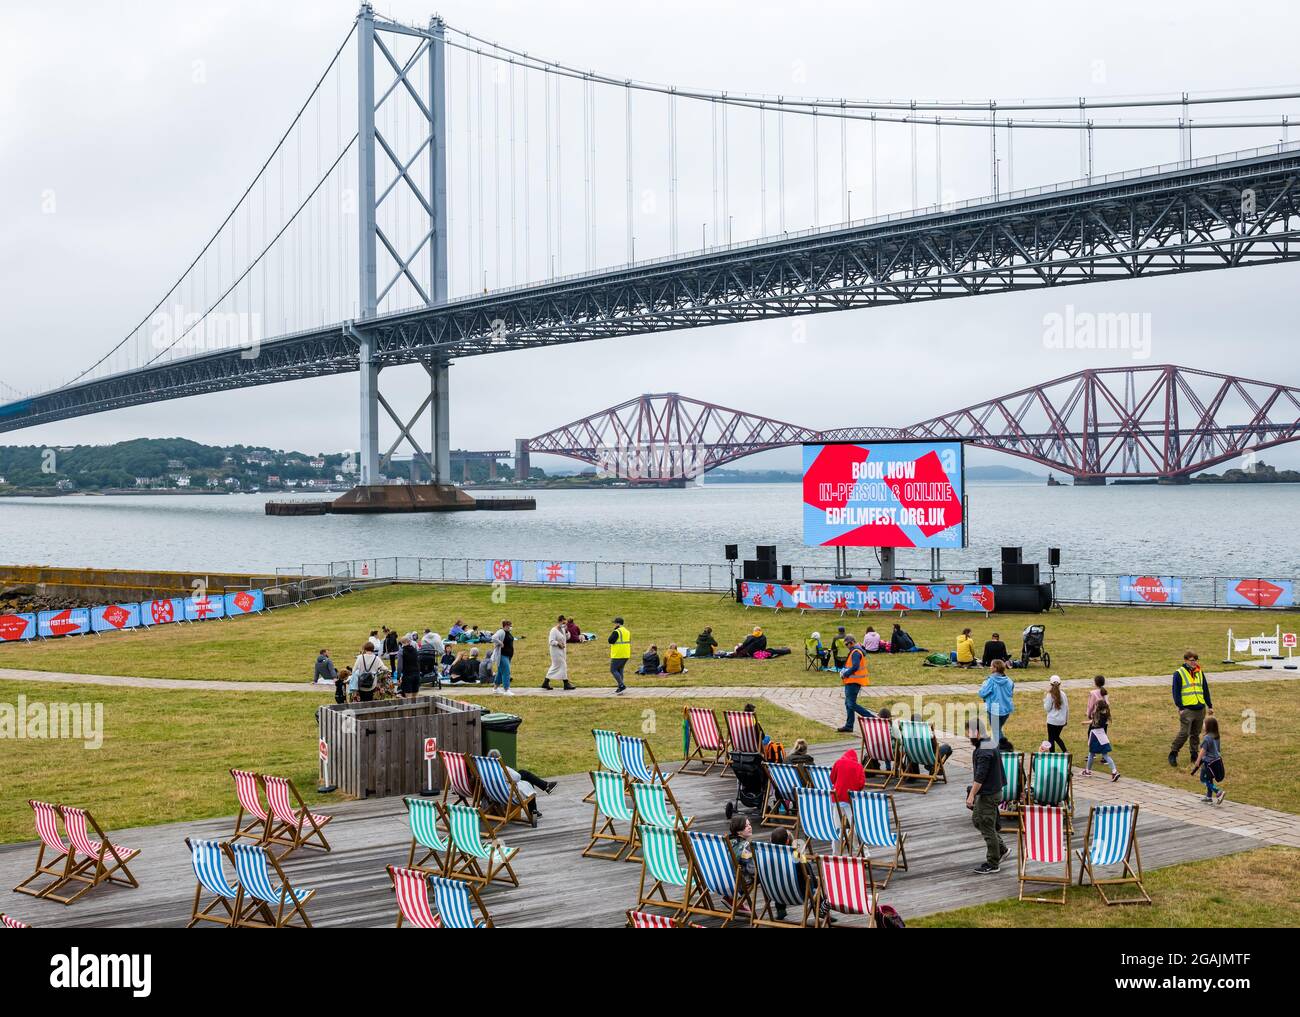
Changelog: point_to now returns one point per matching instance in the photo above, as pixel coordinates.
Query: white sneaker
(509, 693)
(496, 690)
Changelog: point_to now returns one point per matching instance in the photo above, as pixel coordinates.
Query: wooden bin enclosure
(377, 749)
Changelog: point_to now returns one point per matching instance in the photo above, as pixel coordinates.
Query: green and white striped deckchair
(1051, 782)
(472, 858)
(918, 749)
(422, 813)
(662, 869)
(1013, 784)
(656, 806)
(611, 804)
(607, 754)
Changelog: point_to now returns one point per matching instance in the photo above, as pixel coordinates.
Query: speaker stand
(1055, 603)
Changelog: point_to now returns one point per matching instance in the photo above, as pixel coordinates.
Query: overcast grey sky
(99, 110)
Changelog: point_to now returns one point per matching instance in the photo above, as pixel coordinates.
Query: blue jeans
(616, 665)
(851, 692)
(503, 672)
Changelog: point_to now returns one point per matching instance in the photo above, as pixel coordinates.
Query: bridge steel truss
(1238, 211)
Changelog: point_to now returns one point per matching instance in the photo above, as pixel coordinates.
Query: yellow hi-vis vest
(623, 647)
(1191, 688)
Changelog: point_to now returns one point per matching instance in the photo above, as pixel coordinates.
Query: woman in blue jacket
(997, 693)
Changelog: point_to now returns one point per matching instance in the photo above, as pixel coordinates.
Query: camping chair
(1111, 839)
(207, 859)
(742, 733)
(248, 790)
(254, 867)
(1013, 785)
(844, 884)
(918, 747)
(819, 817)
(703, 733)
(656, 806)
(1051, 782)
(779, 799)
(8, 922)
(102, 859)
(812, 657)
(878, 751)
(62, 863)
(608, 754)
(501, 800)
(646, 920)
(1044, 838)
(610, 790)
(454, 901)
(422, 814)
(633, 752)
(471, 857)
(875, 824)
(783, 882)
(661, 866)
(818, 777)
(715, 873)
(457, 779)
(299, 826)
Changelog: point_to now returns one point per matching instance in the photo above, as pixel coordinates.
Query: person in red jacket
(847, 775)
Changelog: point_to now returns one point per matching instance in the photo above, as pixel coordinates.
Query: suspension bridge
(440, 196)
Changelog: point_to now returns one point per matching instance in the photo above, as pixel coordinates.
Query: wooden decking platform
(558, 886)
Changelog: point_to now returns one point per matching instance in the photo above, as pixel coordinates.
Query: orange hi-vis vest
(857, 668)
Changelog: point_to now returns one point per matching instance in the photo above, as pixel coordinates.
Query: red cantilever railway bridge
(1150, 421)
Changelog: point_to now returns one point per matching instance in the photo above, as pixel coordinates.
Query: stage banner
(500, 570)
(557, 572)
(14, 627)
(245, 602)
(203, 607)
(114, 617)
(869, 597)
(883, 494)
(160, 612)
(73, 621)
(1259, 592)
(1150, 590)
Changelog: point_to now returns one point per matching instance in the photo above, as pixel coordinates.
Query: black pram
(1033, 649)
(751, 782)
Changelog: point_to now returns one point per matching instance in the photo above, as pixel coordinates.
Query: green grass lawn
(165, 755)
(281, 645)
(1259, 723)
(1253, 889)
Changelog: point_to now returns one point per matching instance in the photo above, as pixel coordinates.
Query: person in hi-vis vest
(1192, 697)
(853, 676)
(620, 649)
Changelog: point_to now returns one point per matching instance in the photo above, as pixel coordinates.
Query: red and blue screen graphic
(883, 494)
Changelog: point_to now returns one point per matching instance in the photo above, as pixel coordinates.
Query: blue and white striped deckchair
(783, 780)
(917, 749)
(656, 805)
(716, 883)
(1051, 782)
(1111, 839)
(456, 900)
(422, 814)
(254, 868)
(502, 802)
(209, 870)
(818, 777)
(608, 755)
(471, 857)
(783, 882)
(819, 817)
(633, 752)
(663, 870)
(875, 825)
(611, 804)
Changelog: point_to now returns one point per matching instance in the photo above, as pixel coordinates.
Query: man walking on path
(620, 649)
(1192, 697)
(853, 677)
(558, 641)
(983, 795)
(503, 643)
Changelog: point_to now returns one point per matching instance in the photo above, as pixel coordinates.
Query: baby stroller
(751, 782)
(1033, 648)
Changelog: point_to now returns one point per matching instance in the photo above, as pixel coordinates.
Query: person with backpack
(365, 674)
(705, 644)
(1098, 732)
(983, 795)
(674, 663)
(1210, 762)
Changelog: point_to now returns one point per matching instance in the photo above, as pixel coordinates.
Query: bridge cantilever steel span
(1154, 421)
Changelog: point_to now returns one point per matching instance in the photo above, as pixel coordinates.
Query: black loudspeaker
(733, 552)
(766, 552)
(1012, 555)
(1020, 574)
(1054, 557)
(753, 570)
(787, 573)
(986, 577)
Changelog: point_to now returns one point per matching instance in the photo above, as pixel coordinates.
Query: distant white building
(183, 480)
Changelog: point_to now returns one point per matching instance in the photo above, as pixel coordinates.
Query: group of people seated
(994, 649)
(837, 654)
(754, 646)
(670, 663)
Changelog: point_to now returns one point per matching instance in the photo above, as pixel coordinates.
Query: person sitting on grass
(574, 633)
(325, 672)
(705, 644)
(456, 631)
(900, 641)
(674, 662)
(526, 781)
(870, 641)
(751, 644)
(966, 650)
(649, 661)
(994, 649)
(463, 670)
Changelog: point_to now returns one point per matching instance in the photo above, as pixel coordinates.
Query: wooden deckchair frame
(699, 898)
(1131, 874)
(64, 863)
(307, 829)
(519, 809)
(280, 919)
(674, 923)
(608, 831)
(770, 816)
(100, 864)
(765, 917)
(417, 844)
(899, 861)
(258, 827)
(699, 754)
(870, 772)
(591, 795)
(237, 910)
(643, 898)
(469, 867)
(939, 773)
(1044, 879)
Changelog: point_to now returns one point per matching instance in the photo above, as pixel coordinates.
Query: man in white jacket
(558, 642)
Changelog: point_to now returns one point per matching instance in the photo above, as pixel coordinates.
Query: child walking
(1099, 734)
(1210, 762)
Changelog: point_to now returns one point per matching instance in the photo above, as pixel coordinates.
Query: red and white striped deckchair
(104, 859)
(297, 825)
(1044, 839)
(879, 757)
(743, 733)
(413, 903)
(12, 923)
(458, 779)
(62, 862)
(844, 885)
(645, 920)
(248, 789)
(710, 747)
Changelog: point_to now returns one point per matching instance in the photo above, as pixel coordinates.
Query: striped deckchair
(207, 859)
(875, 824)
(633, 752)
(1044, 838)
(779, 804)
(454, 901)
(918, 747)
(607, 754)
(663, 870)
(611, 804)
(710, 748)
(501, 801)
(646, 920)
(297, 825)
(656, 805)
(457, 779)
(9, 922)
(818, 777)
(717, 890)
(422, 815)
(255, 867)
(62, 862)
(101, 859)
(819, 817)
(413, 904)
(1013, 784)
(743, 733)
(879, 759)
(471, 857)
(1051, 782)
(1111, 839)
(844, 885)
(783, 882)
(248, 789)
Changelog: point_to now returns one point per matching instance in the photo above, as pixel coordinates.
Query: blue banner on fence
(1150, 590)
(245, 602)
(501, 570)
(14, 627)
(557, 572)
(114, 617)
(72, 621)
(203, 607)
(1260, 592)
(870, 597)
(162, 611)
